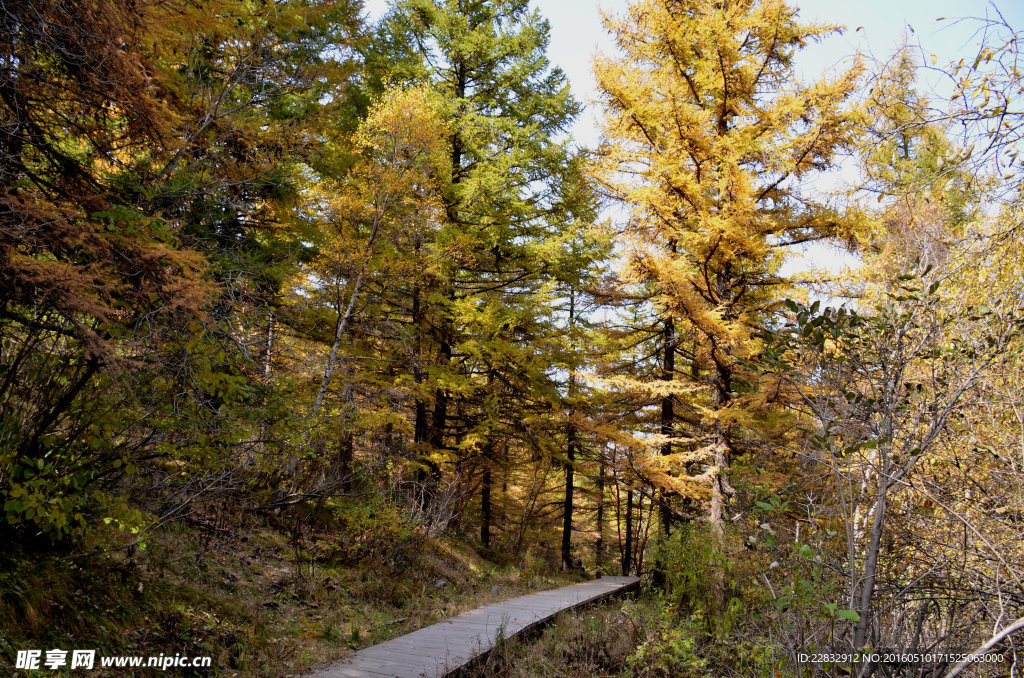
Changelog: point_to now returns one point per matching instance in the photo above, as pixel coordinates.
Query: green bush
(372, 530)
(670, 647)
(699, 575)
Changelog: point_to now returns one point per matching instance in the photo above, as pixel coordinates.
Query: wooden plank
(445, 647)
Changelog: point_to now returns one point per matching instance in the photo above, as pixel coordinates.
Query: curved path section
(438, 650)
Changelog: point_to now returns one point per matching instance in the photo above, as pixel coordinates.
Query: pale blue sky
(576, 34)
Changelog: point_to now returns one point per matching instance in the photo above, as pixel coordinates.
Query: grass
(253, 601)
(595, 641)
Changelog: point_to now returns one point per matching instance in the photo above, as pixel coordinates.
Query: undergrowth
(263, 600)
(593, 641)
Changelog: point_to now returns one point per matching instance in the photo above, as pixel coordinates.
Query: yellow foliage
(708, 139)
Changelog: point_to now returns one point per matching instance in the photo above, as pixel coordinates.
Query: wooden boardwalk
(436, 651)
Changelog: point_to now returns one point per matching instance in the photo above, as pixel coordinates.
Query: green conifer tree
(514, 195)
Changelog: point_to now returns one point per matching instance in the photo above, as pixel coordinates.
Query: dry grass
(592, 642)
(245, 599)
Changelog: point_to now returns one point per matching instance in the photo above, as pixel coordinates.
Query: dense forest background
(299, 310)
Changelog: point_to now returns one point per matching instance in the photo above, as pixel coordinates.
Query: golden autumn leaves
(709, 141)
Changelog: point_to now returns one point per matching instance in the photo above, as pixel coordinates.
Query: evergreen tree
(147, 171)
(710, 141)
(513, 194)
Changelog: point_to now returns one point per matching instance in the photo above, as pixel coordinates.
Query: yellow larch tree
(710, 140)
(372, 222)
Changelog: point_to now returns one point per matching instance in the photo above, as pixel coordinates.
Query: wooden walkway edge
(438, 650)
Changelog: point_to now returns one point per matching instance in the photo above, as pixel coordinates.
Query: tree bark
(435, 433)
(268, 349)
(567, 506)
(867, 587)
(485, 501)
(668, 370)
(599, 544)
(570, 449)
(627, 551)
(342, 325)
(986, 647)
(721, 489)
(346, 443)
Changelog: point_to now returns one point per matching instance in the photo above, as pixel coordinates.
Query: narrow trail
(440, 649)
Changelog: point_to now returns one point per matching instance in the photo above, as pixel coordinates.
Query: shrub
(373, 530)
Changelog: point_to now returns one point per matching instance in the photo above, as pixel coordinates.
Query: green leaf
(848, 614)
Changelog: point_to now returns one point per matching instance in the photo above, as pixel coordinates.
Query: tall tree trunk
(346, 442)
(599, 544)
(344, 316)
(485, 512)
(268, 349)
(862, 602)
(485, 485)
(268, 367)
(419, 435)
(570, 454)
(421, 424)
(721, 489)
(627, 551)
(668, 371)
(430, 474)
(570, 447)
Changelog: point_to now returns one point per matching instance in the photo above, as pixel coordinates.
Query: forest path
(438, 650)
